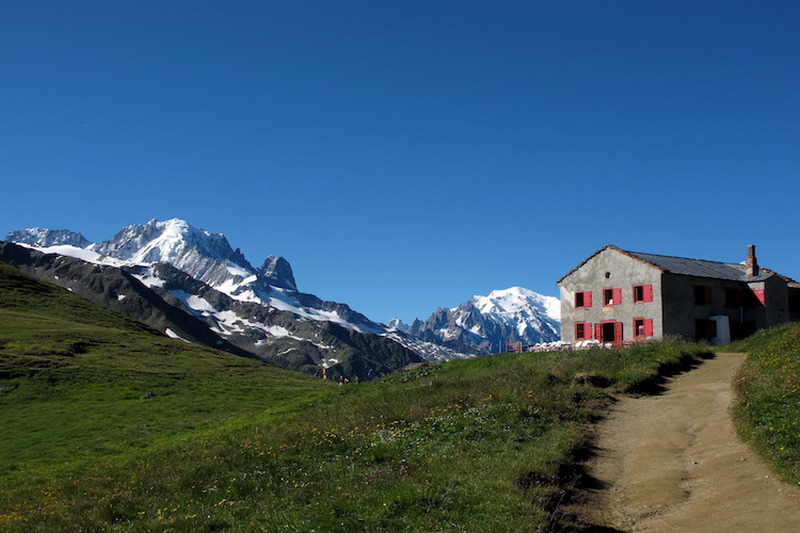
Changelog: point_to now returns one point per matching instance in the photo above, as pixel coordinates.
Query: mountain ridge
(261, 311)
(486, 324)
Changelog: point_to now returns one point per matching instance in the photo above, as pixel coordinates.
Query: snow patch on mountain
(198, 258)
(487, 324)
(43, 237)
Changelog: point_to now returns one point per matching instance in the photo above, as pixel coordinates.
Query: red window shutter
(587, 330)
(618, 331)
(583, 299)
(617, 296)
(598, 331)
(648, 327)
(648, 293)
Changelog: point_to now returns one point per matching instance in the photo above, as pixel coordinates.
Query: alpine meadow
(111, 426)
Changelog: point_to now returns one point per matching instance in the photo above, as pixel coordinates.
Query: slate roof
(690, 267)
(699, 267)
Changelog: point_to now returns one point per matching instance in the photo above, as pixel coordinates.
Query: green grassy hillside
(108, 427)
(768, 387)
(82, 386)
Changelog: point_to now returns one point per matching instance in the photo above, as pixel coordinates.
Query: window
(583, 298)
(642, 293)
(612, 297)
(702, 295)
(733, 297)
(583, 331)
(704, 329)
(642, 327)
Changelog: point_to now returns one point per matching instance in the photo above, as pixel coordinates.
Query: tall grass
(768, 388)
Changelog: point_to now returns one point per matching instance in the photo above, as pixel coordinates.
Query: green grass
(768, 388)
(107, 427)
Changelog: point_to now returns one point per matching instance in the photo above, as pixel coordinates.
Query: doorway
(610, 332)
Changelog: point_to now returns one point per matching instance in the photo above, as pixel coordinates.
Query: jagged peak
(165, 241)
(278, 272)
(398, 324)
(45, 237)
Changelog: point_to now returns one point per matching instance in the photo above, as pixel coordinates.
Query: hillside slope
(113, 428)
(79, 382)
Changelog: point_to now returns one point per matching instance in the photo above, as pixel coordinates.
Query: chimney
(750, 264)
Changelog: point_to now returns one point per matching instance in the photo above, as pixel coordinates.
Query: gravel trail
(673, 462)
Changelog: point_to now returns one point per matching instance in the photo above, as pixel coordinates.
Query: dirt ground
(672, 462)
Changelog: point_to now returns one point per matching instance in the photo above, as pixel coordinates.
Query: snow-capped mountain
(258, 310)
(486, 324)
(48, 237)
(192, 284)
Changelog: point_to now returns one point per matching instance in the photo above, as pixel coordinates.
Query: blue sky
(405, 155)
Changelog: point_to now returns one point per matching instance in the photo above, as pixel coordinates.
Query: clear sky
(405, 155)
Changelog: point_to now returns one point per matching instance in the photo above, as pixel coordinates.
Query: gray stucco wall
(611, 269)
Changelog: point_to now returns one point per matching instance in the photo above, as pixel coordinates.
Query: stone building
(618, 296)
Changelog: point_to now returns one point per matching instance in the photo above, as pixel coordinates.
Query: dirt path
(673, 463)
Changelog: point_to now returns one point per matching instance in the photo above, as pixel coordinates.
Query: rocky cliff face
(278, 272)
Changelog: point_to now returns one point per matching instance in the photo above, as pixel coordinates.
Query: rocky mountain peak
(398, 324)
(165, 241)
(486, 324)
(278, 273)
(517, 300)
(44, 237)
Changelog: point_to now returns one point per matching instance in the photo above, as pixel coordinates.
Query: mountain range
(191, 284)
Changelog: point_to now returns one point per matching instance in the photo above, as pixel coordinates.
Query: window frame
(646, 327)
(703, 295)
(616, 296)
(586, 331)
(734, 297)
(586, 299)
(646, 293)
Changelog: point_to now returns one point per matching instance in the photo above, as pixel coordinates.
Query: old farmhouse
(618, 296)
